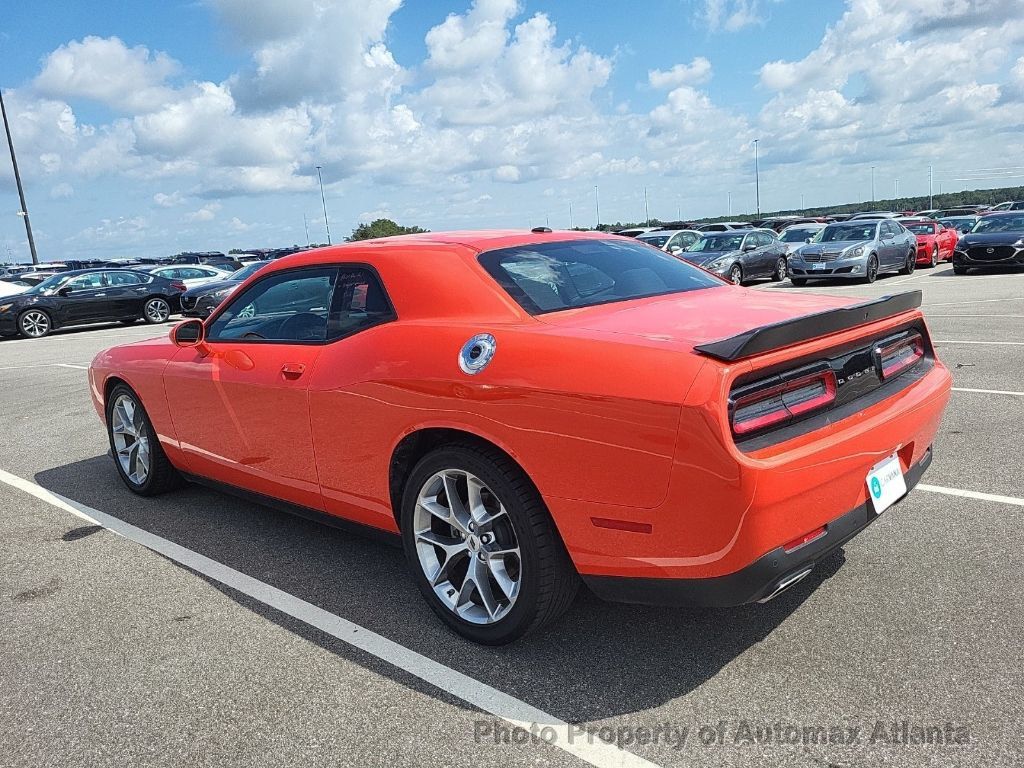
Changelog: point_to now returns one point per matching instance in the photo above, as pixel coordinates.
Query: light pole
(570, 216)
(897, 189)
(729, 198)
(872, 185)
(323, 200)
(305, 226)
(931, 202)
(17, 180)
(757, 181)
(647, 210)
(597, 205)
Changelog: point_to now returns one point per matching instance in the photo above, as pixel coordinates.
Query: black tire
(935, 256)
(871, 270)
(958, 270)
(547, 579)
(910, 264)
(798, 281)
(162, 476)
(780, 270)
(156, 310)
(736, 274)
(35, 323)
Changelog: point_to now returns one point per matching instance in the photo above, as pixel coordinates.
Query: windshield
(923, 228)
(656, 240)
(548, 277)
(797, 235)
(49, 284)
(243, 273)
(961, 225)
(835, 233)
(1000, 224)
(721, 242)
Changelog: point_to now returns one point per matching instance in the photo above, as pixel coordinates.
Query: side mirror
(191, 333)
(64, 291)
(675, 249)
(749, 247)
(807, 240)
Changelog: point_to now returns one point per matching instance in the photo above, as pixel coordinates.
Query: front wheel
(935, 256)
(141, 462)
(736, 274)
(34, 324)
(482, 547)
(871, 271)
(780, 270)
(156, 310)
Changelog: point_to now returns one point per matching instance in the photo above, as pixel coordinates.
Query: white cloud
(62, 191)
(696, 72)
(206, 213)
(106, 71)
(168, 201)
(732, 15)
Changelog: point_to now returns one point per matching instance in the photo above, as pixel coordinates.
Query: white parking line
(989, 391)
(930, 316)
(569, 738)
(975, 301)
(996, 343)
(43, 365)
(972, 494)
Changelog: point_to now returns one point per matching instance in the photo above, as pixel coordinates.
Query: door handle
(293, 370)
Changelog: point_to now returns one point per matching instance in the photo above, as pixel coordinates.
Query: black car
(87, 296)
(740, 255)
(203, 299)
(997, 240)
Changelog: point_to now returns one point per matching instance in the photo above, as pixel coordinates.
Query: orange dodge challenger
(532, 409)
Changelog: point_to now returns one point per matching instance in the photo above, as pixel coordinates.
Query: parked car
(633, 231)
(868, 215)
(858, 249)
(945, 213)
(202, 300)
(723, 226)
(9, 288)
(190, 275)
(796, 235)
(740, 255)
(443, 391)
(672, 241)
(935, 242)
(960, 224)
(28, 279)
(87, 296)
(996, 241)
(1007, 206)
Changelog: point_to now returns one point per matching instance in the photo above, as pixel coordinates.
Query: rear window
(548, 277)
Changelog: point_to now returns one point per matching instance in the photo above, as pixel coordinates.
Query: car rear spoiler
(783, 334)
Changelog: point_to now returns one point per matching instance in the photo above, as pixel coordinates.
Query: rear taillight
(179, 286)
(896, 357)
(778, 403)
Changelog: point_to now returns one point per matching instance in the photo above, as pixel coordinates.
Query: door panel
(242, 420)
(88, 301)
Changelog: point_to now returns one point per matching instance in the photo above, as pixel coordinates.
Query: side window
(85, 282)
(689, 238)
(289, 306)
(359, 303)
(123, 278)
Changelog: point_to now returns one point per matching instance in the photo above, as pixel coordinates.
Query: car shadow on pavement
(600, 660)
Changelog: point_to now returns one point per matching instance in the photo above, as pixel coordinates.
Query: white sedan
(10, 289)
(190, 274)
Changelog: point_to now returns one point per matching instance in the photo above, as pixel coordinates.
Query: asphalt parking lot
(241, 636)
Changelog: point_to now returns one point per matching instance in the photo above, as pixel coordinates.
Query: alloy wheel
(467, 546)
(780, 269)
(935, 255)
(131, 439)
(872, 269)
(35, 323)
(736, 274)
(157, 310)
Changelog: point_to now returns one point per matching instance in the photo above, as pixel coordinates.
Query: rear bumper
(762, 579)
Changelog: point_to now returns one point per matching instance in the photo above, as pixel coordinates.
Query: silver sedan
(855, 250)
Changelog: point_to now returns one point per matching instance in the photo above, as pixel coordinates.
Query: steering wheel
(304, 326)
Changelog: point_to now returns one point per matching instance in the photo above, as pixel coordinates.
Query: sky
(145, 129)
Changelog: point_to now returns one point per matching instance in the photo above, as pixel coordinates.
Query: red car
(935, 242)
(527, 410)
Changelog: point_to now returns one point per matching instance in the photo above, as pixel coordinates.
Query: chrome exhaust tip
(786, 583)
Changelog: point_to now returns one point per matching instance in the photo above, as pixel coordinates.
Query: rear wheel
(871, 270)
(736, 274)
(482, 547)
(156, 310)
(140, 461)
(910, 263)
(780, 270)
(34, 324)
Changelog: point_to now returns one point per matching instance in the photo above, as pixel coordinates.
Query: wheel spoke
(455, 502)
(497, 568)
(482, 583)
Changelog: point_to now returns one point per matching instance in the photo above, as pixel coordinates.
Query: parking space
(266, 639)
